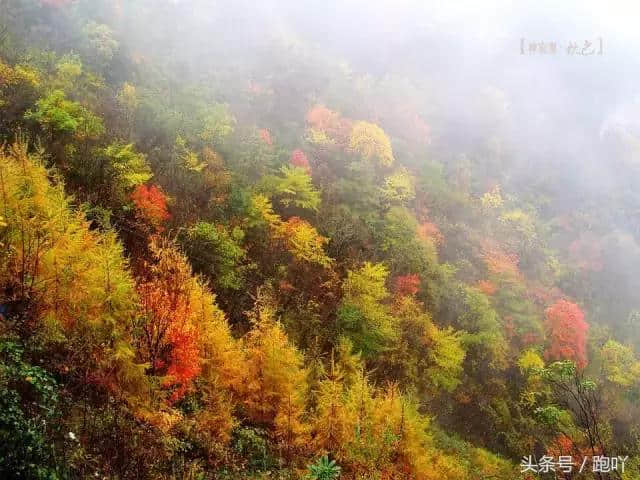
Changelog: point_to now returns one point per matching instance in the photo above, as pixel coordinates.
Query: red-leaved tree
(299, 159)
(567, 333)
(404, 285)
(151, 204)
(265, 136)
(169, 340)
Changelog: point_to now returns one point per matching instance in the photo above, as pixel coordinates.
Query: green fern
(323, 469)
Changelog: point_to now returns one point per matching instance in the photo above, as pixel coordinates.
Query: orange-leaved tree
(183, 334)
(151, 205)
(567, 333)
(406, 284)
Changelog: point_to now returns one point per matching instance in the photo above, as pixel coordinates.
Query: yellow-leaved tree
(296, 235)
(62, 283)
(377, 433)
(334, 423)
(274, 392)
(370, 142)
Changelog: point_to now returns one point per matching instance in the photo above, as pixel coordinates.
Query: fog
(466, 60)
(563, 125)
(560, 129)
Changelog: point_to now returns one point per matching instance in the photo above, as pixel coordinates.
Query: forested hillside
(233, 247)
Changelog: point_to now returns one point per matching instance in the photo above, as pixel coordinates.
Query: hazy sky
(554, 108)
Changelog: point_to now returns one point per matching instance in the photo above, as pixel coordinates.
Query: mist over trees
(317, 240)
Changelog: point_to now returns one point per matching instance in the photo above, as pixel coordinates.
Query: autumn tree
(327, 128)
(299, 159)
(619, 364)
(169, 341)
(118, 168)
(151, 205)
(303, 241)
(334, 422)
(19, 87)
(422, 355)
(265, 136)
(371, 143)
(129, 166)
(63, 282)
(296, 235)
(292, 188)
(399, 188)
(274, 389)
(377, 431)
(183, 334)
(406, 284)
(500, 262)
(128, 101)
(429, 231)
(567, 332)
(485, 338)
